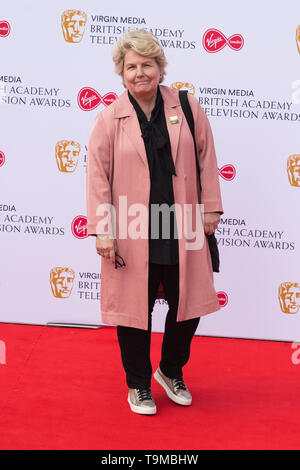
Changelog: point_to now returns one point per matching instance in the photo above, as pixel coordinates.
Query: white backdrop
(250, 90)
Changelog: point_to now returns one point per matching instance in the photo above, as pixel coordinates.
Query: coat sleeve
(98, 180)
(210, 193)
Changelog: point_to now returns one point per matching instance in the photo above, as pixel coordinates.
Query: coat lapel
(172, 109)
(131, 126)
(132, 129)
(174, 129)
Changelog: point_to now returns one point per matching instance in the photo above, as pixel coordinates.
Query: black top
(163, 247)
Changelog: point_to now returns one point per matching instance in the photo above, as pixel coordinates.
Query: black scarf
(158, 149)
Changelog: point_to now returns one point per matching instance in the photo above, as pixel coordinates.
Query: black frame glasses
(119, 262)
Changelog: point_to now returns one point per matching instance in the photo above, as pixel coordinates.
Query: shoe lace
(144, 394)
(179, 384)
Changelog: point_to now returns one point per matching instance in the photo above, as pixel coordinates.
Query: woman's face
(141, 75)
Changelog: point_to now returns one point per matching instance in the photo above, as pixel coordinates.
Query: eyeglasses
(119, 262)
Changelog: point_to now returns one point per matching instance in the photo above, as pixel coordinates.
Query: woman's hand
(106, 247)
(211, 222)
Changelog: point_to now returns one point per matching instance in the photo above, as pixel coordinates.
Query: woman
(141, 155)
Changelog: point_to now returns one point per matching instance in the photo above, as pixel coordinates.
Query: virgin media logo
(89, 99)
(79, 226)
(214, 41)
(227, 172)
(223, 298)
(4, 28)
(2, 158)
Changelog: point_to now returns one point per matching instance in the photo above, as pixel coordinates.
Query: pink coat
(117, 166)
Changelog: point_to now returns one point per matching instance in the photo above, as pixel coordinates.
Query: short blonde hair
(144, 43)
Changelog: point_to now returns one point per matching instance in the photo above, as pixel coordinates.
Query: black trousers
(135, 343)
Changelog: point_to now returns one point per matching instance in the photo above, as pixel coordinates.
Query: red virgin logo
(79, 226)
(214, 41)
(223, 298)
(227, 172)
(4, 28)
(2, 158)
(89, 99)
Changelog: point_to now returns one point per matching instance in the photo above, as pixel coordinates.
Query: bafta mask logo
(2, 158)
(67, 154)
(293, 170)
(184, 86)
(298, 38)
(223, 298)
(214, 41)
(79, 226)
(227, 172)
(289, 297)
(61, 281)
(4, 29)
(73, 25)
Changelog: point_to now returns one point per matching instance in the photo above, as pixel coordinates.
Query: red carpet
(64, 388)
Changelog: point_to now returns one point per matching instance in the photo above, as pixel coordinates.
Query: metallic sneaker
(141, 401)
(175, 388)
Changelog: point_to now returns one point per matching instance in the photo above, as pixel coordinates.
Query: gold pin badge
(174, 119)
